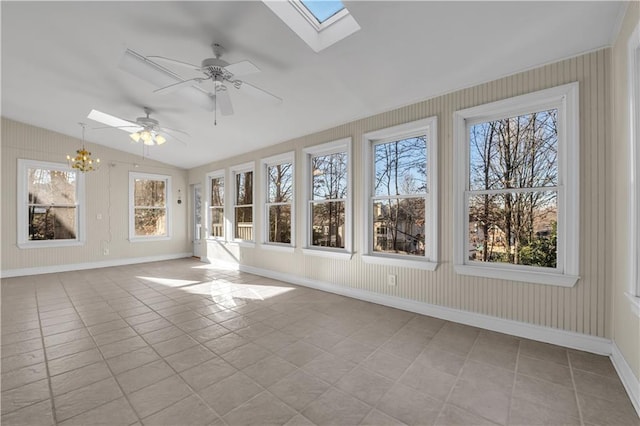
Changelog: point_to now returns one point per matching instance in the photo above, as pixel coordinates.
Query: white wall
(106, 195)
(626, 323)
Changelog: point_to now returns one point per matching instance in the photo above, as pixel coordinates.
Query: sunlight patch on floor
(169, 282)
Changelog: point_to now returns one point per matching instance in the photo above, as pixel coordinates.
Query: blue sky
(323, 9)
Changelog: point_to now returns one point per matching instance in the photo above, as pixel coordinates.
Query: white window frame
(565, 99)
(23, 204)
(317, 36)
(216, 175)
(132, 219)
(633, 64)
(426, 127)
(340, 145)
(242, 168)
(288, 157)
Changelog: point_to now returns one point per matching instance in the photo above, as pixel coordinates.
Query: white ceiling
(60, 60)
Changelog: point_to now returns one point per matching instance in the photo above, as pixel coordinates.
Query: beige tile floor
(181, 343)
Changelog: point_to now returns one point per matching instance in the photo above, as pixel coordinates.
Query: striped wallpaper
(581, 309)
(106, 195)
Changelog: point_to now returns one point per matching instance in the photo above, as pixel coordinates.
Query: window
(318, 23)
(329, 199)
(279, 215)
(149, 201)
(216, 204)
(50, 205)
(243, 202)
(516, 207)
(401, 195)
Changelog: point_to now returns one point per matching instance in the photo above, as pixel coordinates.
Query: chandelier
(83, 161)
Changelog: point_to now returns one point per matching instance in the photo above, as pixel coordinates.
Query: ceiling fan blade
(111, 120)
(169, 133)
(242, 68)
(169, 129)
(224, 102)
(175, 62)
(257, 92)
(130, 128)
(159, 76)
(179, 85)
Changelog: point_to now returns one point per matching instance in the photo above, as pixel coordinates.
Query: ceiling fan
(145, 129)
(219, 72)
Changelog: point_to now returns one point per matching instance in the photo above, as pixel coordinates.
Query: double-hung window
(243, 202)
(516, 205)
(149, 201)
(401, 195)
(278, 213)
(328, 173)
(216, 221)
(50, 205)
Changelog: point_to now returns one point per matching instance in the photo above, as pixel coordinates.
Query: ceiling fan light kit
(145, 129)
(148, 138)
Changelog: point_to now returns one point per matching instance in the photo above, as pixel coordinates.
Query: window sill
(283, 248)
(148, 239)
(49, 244)
(635, 303)
(547, 278)
(424, 265)
(332, 254)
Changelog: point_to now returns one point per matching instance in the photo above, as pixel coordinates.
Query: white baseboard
(583, 342)
(89, 265)
(629, 380)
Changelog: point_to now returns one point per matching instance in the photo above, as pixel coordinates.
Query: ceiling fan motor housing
(147, 122)
(214, 68)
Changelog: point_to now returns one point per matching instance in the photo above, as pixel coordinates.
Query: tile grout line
(515, 379)
(397, 381)
(466, 359)
(575, 390)
(46, 359)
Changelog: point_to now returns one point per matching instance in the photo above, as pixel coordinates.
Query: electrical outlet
(105, 251)
(391, 279)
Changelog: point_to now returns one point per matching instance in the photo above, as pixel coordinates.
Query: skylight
(320, 23)
(322, 9)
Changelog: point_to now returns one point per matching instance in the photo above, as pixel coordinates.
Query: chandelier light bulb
(146, 137)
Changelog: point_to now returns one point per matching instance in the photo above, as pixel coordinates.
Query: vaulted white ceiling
(60, 60)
